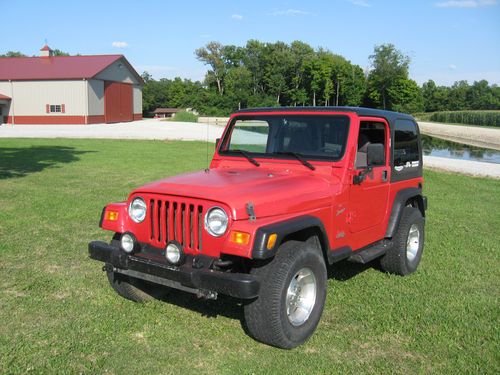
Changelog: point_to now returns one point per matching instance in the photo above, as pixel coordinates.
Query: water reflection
(440, 147)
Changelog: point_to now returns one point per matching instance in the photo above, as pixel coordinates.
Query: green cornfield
(480, 118)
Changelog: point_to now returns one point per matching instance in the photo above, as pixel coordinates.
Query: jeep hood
(272, 193)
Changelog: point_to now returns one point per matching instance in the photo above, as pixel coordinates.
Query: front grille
(172, 219)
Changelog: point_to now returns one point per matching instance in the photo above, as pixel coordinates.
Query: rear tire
(404, 256)
(292, 296)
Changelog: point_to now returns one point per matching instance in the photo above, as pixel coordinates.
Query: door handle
(384, 176)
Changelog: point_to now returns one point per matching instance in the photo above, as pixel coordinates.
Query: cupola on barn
(69, 89)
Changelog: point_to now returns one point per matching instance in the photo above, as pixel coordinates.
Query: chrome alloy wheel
(412, 243)
(301, 296)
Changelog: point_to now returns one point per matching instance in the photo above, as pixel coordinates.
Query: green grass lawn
(59, 315)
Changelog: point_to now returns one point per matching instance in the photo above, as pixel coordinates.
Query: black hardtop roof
(390, 116)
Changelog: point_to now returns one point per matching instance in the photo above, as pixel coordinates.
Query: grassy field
(59, 315)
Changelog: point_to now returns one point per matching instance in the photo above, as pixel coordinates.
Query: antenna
(208, 127)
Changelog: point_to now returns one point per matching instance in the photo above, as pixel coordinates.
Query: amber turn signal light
(271, 241)
(240, 238)
(111, 215)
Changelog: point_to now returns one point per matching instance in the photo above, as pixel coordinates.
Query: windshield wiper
(297, 156)
(247, 155)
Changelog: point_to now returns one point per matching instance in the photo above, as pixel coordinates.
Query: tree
(239, 85)
(480, 96)
(405, 96)
(253, 61)
(212, 55)
(457, 96)
(146, 77)
(352, 85)
(58, 52)
(389, 66)
(314, 78)
(278, 64)
(301, 53)
(13, 54)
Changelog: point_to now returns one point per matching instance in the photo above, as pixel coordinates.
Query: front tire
(132, 288)
(292, 296)
(404, 256)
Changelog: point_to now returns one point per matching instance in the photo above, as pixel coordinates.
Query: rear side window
(405, 143)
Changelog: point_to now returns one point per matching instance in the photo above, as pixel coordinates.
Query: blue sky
(446, 40)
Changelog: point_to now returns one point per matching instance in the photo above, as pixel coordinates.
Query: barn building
(69, 89)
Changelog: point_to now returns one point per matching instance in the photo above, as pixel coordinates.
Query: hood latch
(251, 212)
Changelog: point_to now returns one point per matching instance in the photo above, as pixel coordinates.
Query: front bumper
(200, 280)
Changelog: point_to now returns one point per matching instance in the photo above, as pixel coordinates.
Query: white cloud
(237, 17)
(360, 3)
(465, 3)
(120, 44)
(452, 66)
(289, 12)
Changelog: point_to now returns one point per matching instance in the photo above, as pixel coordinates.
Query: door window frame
(387, 148)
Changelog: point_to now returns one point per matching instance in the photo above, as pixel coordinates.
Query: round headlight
(173, 253)
(216, 221)
(127, 242)
(137, 210)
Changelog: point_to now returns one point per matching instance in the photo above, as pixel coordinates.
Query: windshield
(321, 137)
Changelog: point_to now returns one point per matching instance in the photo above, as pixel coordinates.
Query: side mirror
(375, 154)
(217, 143)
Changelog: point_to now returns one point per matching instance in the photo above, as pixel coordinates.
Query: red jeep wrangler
(289, 192)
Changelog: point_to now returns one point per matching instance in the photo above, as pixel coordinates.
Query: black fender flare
(399, 203)
(283, 229)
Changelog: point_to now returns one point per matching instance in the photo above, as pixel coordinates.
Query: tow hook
(206, 294)
(107, 267)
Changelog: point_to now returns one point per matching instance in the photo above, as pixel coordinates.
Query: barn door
(118, 102)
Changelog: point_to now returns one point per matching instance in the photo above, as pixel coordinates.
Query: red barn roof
(57, 67)
(4, 97)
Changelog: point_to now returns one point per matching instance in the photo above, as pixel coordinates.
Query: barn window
(55, 108)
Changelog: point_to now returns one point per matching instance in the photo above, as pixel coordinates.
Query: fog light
(174, 253)
(128, 242)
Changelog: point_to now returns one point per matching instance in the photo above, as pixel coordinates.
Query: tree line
(280, 74)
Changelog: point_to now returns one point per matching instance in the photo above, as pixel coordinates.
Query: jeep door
(369, 192)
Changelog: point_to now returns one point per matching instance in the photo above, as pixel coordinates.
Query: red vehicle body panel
(280, 189)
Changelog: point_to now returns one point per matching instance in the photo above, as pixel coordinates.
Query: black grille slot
(173, 220)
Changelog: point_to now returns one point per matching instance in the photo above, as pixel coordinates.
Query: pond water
(446, 149)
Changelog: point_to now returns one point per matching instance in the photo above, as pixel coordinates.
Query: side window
(369, 133)
(405, 143)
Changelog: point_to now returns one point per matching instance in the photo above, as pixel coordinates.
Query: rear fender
(399, 203)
